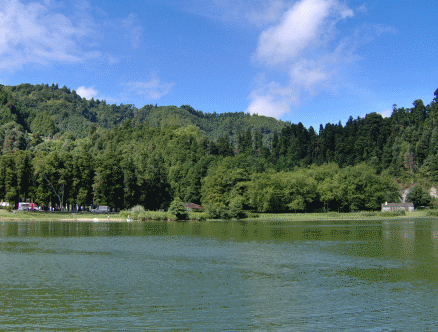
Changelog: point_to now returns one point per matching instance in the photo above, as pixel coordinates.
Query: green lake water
(215, 276)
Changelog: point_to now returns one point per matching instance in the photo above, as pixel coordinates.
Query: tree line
(123, 160)
(140, 165)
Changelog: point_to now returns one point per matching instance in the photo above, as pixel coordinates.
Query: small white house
(408, 207)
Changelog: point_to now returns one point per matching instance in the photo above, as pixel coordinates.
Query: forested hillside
(58, 149)
(47, 110)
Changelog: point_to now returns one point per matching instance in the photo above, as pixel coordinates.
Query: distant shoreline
(275, 217)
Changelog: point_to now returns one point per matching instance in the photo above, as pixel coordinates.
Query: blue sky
(309, 61)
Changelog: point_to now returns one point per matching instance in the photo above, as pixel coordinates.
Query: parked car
(101, 209)
(22, 206)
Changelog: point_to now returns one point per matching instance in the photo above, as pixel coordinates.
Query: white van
(101, 209)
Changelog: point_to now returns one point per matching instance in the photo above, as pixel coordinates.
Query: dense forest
(60, 149)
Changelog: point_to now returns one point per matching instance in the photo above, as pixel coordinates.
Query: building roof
(192, 206)
(407, 204)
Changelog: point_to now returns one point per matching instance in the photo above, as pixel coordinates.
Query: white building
(408, 207)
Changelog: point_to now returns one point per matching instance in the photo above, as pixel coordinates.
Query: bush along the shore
(198, 216)
(133, 213)
(143, 216)
(369, 213)
(432, 213)
(395, 213)
(236, 208)
(220, 211)
(137, 209)
(136, 214)
(251, 214)
(177, 211)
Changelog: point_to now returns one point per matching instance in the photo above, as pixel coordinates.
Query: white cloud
(272, 100)
(303, 45)
(308, 73)
(152, 89)
(31, 33)
(386, 113)
(86, 93)
(299, 29)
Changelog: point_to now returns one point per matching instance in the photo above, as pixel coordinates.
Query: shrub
(395, 213)
(368, 213)
(123, 214)
(433, 203)
(432, 213)
(418, 196)
(199, 216)
(137, 213)
(159, 216)
(235, 208)
(216, 211)
(126, 214)
(177, 210)
(137, 209)
(252, 214)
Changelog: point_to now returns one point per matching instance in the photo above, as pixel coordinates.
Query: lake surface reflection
(306, 276)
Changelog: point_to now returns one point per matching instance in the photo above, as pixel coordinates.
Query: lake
(258, 276)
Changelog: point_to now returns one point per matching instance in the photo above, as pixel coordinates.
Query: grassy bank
(91, 217)
(365, 215)
(162, 216)
(159, 215)
(56, 216)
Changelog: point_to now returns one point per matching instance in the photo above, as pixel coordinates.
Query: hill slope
(48, 109)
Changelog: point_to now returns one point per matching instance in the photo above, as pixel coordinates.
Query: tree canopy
(60, 149)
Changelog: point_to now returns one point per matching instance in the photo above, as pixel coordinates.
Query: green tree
(236, 208)
(178, 210)
(52, 173)
(429, 170)
(9, 179)
(224, 147)
(43, 125)
(418, 196)
(264, 193)
(357, 188)
(82, 178)
(108, 187)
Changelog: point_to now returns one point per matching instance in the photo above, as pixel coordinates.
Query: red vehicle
(27, 206)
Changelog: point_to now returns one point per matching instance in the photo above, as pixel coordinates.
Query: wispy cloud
(86, 93)
(386, 113)
(362, 8)
(301, 28)
(152, 89)
(35, 33)
(270, 12)
(271, 99)
(302, 45)
(233, 11)
(133, 30)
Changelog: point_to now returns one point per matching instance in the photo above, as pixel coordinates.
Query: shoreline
(6, 216)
